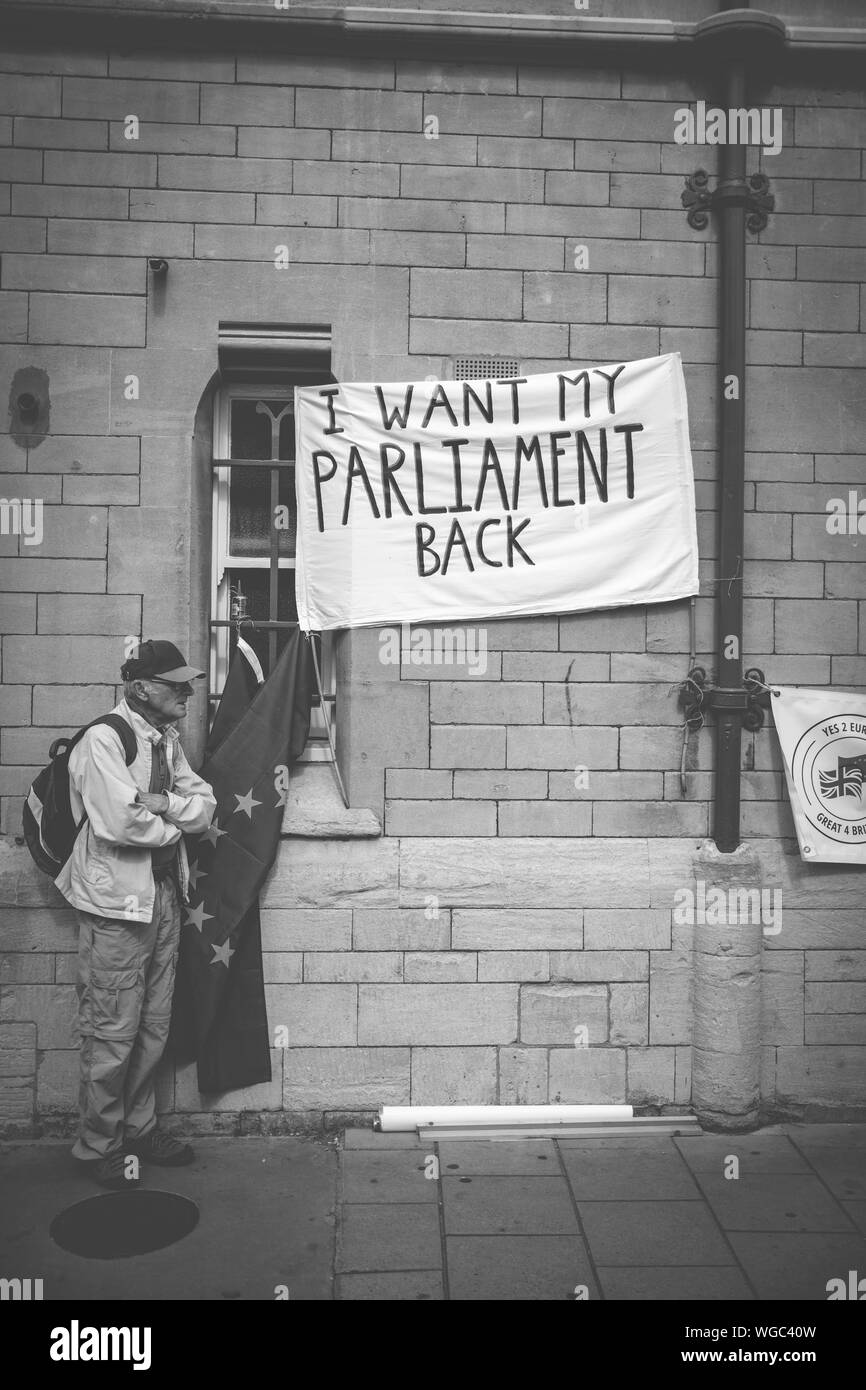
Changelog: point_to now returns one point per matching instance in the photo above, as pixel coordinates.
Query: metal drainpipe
(726, 1041)
(732, 473)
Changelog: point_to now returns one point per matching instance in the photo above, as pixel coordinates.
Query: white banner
(822, 734)
(450, 500)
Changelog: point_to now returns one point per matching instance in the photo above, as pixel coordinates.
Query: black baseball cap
(161, 659)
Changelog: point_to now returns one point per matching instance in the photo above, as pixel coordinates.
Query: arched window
(254, 515)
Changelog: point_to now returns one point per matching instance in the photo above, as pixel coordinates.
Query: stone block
(177, 205)
(629, 1005)
(491, 873)
(315, 1015)
(501, 929)
(61, 614)
(114, 170)
(74, 659)
(422, 967)
(308, 874)
(551, 747)
(416, 248)
(523, 1075)
(473, 745)
(544, 818)
(499, 786)
(98, 319)
(513, 338)
(244, 104)
(26, 95)
(400, 929)
(439, 1013)
(453, 1075)
(651, 1079)
(440, 818)
(56, 704)
(101, 275)
(524, 966)
(627, 930)
(410, 214)
(622, 630)
(350, 1078)
(53, 1009)
(649, 817)
(587, 1076)
(822, 1078)
(599, 966)
(466, 293)
(352, 966)
(552, 1013)
(283, 967)
(577, 298)
(304, 929)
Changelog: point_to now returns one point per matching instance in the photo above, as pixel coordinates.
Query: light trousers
(125, 985)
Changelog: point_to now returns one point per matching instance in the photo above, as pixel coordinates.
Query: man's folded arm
(98, 770)
(191, 802)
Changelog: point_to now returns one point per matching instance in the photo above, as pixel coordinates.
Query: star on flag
(195, 916)
(221, 954)
(245, 803)
(195, 873)
(213, 833)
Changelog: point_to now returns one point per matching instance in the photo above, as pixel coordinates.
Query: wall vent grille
(485, 368)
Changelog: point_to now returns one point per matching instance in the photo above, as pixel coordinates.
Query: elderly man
(127, 876)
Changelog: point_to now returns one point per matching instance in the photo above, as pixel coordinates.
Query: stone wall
(534, 827)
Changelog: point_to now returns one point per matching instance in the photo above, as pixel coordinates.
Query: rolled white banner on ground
(394, 1118)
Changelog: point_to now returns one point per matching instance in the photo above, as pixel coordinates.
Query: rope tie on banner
(695, 721)
(325, 716)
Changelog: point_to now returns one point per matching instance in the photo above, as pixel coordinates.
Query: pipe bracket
(754, 195)
(749, 700)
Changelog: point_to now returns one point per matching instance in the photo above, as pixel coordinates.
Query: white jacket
(108, 872)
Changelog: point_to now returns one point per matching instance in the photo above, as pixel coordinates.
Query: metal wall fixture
(740, 45)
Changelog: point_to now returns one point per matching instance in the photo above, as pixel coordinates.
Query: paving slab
(653, 1233)
(516, 1205)
(674, 1283)
(857, 1213)
(625, 1176)
(829, 1136)
(773, 1202)
(797, 1266)
(416, 1285)
(766, 1152)
(378, 1237)
(525, 1268)
(372, 1139)
(532, 1157)
(843, 1173)
(266, 1219)
(394, 1175)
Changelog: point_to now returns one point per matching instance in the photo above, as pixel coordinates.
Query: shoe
(110, 1171)
(160, 1147)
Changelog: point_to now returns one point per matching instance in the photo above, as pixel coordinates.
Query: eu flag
(259, 731)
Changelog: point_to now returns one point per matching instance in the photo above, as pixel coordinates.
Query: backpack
(49, 825)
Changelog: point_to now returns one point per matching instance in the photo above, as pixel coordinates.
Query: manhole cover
(120, 1224)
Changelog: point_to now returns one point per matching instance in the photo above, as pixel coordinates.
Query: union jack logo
(846, 780)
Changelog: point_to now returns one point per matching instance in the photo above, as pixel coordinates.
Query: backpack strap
(114, 721)
(123, 730)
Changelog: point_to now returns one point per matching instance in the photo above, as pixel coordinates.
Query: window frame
(222, 560)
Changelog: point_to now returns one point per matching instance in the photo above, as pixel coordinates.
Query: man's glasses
(179, 689)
